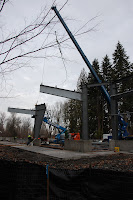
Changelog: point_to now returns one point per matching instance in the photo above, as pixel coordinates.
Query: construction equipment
(75, 136)
(60, 137)
(122, 129)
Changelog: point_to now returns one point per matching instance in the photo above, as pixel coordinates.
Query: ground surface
(116, 162)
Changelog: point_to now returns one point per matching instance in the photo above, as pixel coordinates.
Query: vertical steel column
(114, 112)
(84, 113)
(39, 114)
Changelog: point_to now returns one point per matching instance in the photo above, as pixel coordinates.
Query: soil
(116, 162)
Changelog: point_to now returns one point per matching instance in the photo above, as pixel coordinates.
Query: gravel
(116, 162)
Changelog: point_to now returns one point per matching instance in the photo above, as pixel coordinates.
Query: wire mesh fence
(25, 181)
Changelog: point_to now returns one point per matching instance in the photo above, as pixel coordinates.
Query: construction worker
(15, 138)
(29, 139)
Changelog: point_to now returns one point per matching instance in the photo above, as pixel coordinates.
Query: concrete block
(111, 145)
(78, 145)
(37, 142)
(124, 145)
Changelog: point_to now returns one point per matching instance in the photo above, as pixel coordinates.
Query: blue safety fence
(26, 181)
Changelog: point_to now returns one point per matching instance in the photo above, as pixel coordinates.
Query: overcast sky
(113, 23)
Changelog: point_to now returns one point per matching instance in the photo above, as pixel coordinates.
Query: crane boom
(60, 129)
(105, 92)
(45, 119)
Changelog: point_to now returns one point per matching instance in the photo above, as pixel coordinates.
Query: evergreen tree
(95, 104)
(83, 79)
(72, 116)
(107, 77)
(123, 68)
(99, 121)
(121, 64)
(106, 69)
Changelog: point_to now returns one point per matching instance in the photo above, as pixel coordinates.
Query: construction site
(70, 165)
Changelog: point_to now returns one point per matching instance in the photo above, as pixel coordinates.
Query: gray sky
(113, 23)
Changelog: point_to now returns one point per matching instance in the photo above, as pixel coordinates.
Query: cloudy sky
(110, 21)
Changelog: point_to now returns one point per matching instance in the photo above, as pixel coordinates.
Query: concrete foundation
(124, 145)
(78, 145)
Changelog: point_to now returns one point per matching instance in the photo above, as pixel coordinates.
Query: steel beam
(39, 114)
(120, 95)
(72, 95)
(85, 133)
(23, 111)
(97, 84)
(114, 112)
(61, 92)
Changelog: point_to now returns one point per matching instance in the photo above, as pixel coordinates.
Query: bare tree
(2, 3)
(2, 123)
(25, 127)
(17, 48)
(44, 133)
(13, 125)
(54, 112)
(55, 115)
(17, 51)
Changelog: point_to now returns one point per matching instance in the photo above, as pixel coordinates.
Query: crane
(122, 127)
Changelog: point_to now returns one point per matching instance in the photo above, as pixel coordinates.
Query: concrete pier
(124, 145)
(78, 145)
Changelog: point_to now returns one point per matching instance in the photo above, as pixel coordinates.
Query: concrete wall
(78, 145)
(124, 145)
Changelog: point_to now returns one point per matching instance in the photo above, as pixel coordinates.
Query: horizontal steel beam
(124, 79)
(98, 84)
(60, 92)
(120, 95)
(23, 111)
